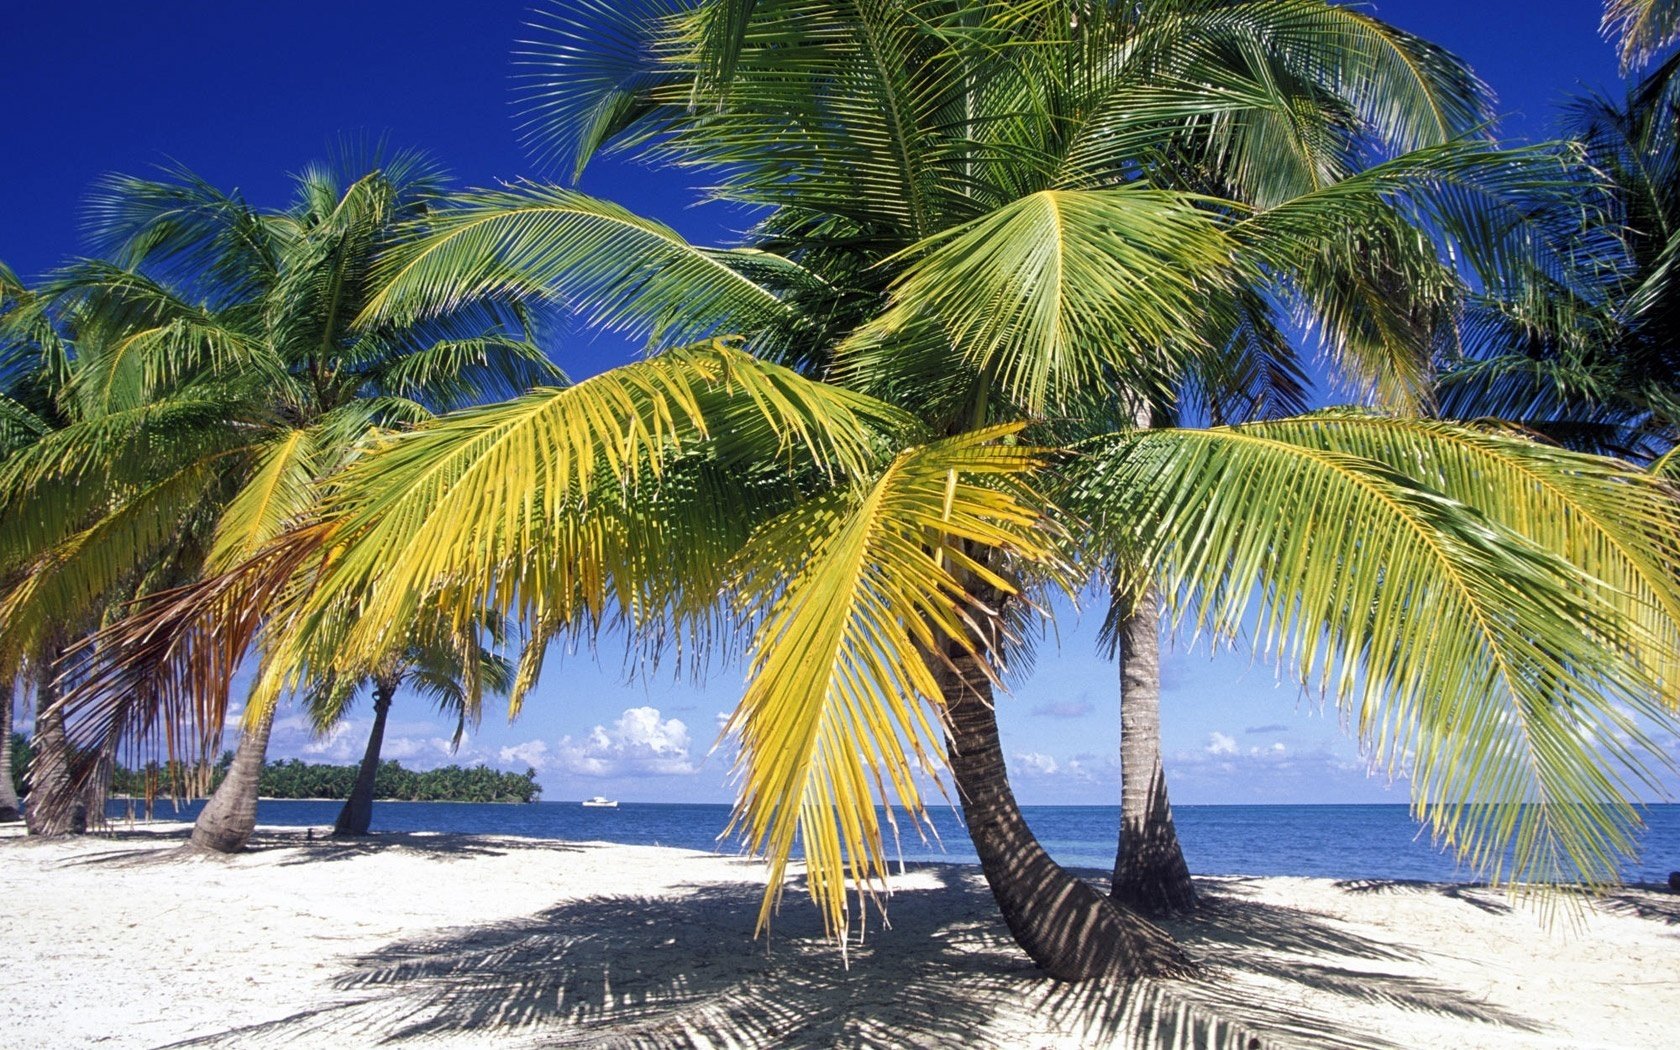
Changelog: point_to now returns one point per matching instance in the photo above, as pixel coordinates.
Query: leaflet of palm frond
(1464, 652)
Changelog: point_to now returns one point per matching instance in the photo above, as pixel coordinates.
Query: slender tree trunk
(1068, 928)
(9, 811)
(357, 813)
(50, 768)
(1150, 875)
(230, 816)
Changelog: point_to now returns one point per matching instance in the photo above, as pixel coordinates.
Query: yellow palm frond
(852, 591)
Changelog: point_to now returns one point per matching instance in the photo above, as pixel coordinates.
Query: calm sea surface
(1343, 842)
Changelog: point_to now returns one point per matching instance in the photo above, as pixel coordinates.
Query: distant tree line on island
(292, 779)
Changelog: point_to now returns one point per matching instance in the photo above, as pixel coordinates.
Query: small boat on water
(601, 802)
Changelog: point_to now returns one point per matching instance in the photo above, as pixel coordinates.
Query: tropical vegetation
(294, 779)
(1016, 319)
(208, 374)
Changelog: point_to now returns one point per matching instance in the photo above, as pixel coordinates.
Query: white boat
(601, 802)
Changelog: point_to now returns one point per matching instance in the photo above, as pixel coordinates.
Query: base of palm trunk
(230, 817)
(1152, 879)
(1069, 929)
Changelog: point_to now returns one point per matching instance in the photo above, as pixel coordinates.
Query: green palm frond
(1062, 289)
(93, 565)
(617, 269)
(1617, 525)
(853, 591)
(1468, 656)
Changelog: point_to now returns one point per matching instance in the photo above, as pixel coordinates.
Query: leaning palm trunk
(230, 816)
(357, 813)
(1068, 928)
(9, 810)
(50, 768)
(1150, 875)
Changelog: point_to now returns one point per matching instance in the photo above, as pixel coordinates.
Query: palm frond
(1469, 657)
(853, 592)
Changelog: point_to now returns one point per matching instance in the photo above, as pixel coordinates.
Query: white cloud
(343, 743)
(1033, 763)
(638, 743)
(533, 753)
(1220, 744)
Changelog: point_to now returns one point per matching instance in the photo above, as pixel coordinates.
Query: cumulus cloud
(342, 743)
(533, 753)
(1034, 763)
(1064, 708)
(1220, 744)
(1273, 727)
(640, 742)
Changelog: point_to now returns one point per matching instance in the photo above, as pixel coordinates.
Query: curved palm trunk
(230, 816)
(9, 810)
(1150, 875)
(50, 768)
(357, 813)
(1068, 928)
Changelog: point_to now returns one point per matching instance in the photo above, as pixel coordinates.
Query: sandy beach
(448, 940)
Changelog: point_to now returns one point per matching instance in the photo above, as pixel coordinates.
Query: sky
(245, 92)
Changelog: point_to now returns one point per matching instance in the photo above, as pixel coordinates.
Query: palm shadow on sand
(684, 971)
(304, 849)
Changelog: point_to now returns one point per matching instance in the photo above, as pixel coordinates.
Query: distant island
(295, 779)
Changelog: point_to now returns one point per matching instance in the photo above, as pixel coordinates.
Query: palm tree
(218, 375)
(958, 294)
(455, 680)
(9, 806)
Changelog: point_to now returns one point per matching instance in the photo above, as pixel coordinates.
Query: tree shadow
(1476, 894)
(431, 845)
(294, 848)
(1654, 902)
(683, 970)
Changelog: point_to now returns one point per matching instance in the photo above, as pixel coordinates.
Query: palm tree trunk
(9, 811)
(1150, 875)
(230, 816)
(1068, 928)
(50, 768)
(357, 813)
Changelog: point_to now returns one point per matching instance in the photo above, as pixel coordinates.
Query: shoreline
(473, 940)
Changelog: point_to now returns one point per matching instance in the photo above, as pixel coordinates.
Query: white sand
(476, 941)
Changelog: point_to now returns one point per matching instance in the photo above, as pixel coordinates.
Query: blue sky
(244, 92)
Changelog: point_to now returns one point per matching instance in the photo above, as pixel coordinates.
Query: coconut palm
(959, 294)
(219, 373)
(455, 680)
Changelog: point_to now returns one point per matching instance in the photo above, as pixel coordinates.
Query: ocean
(1340, 842)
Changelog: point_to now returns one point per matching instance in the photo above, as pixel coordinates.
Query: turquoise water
(1342, 842)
